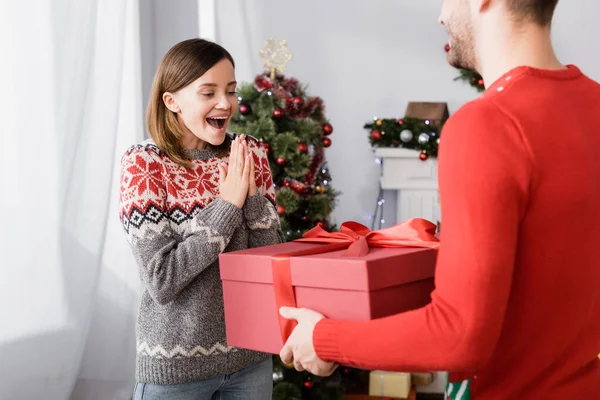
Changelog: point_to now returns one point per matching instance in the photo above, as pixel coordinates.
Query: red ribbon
(354, 237)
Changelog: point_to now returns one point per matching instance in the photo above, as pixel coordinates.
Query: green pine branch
(288, 199)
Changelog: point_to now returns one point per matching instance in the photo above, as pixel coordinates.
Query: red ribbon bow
(354, 237)
(416, 232)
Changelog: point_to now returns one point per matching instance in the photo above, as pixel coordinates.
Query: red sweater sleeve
(484, 176)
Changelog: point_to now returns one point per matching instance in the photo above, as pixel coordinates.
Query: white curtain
(70, 106)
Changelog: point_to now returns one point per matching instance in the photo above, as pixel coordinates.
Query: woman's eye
(208, 94)
(233, 93)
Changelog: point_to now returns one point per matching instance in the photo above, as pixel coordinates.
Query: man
(516, 307)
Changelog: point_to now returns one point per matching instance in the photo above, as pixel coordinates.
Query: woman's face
(205, 106)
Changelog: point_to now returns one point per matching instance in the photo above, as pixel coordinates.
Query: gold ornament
(320, 189)
(379, 122)
(276, 55)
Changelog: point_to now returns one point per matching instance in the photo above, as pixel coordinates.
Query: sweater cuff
(326, 341)
(224, 217)
(253, 207)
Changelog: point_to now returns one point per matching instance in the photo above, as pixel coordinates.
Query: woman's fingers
(241, 159)
(252, 169)
(246, 174)
(222, 172)
(233, 154)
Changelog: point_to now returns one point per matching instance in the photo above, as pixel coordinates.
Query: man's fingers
(298, 366)
(289, 312)
(286, 354)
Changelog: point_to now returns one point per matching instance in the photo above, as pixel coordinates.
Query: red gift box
(340, 284)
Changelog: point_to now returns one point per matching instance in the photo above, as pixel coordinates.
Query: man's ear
(170, 102)
(483, 5)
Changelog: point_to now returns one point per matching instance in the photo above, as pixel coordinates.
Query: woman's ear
(170, 102)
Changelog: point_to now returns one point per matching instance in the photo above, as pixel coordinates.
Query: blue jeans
(254, 382)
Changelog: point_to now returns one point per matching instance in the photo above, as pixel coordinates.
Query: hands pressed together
(299, 347)
(238, 179)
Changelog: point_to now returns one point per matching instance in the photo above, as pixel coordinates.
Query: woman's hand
(234, 179)
(252, 188)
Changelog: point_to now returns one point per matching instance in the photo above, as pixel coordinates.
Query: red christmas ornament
(447, 47)
(298, 101)
(376, 135)
(423, 156)
(302, 147)
(280, 161)
(308, 384)
(304, 218)
(327, 129)
(286, 182)
(400, 122)
(281, 210)
(326, 142)
(245, 109)
(278, 113)
(262, 83)
(480, 82)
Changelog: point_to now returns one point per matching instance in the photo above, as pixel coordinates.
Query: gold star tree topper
(276, 55)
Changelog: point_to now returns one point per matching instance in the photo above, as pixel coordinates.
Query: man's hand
(299, 347)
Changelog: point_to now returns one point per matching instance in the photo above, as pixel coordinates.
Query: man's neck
(504, 48)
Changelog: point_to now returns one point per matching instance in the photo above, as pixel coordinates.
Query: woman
(189, 193)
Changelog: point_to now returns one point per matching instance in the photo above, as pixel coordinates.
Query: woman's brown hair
(183, 64)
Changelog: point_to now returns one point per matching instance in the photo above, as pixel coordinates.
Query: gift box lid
(381, 268)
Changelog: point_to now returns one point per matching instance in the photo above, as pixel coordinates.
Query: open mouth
(217, 122)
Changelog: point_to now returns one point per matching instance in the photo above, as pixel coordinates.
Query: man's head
(462, 19)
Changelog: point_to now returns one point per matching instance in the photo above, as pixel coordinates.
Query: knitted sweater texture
(177, 225)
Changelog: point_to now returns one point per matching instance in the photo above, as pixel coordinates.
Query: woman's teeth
(217, 122)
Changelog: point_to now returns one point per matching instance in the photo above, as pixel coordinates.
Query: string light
(323, 171)
(240, 98)
(426, 122)
(380, 202)
(325, 182)
(383, 221)
(269, 93)
(378, 160)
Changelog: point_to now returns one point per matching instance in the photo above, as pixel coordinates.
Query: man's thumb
(289, 312)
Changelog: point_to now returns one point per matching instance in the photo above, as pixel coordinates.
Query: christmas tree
(293, 385)
(293, 129)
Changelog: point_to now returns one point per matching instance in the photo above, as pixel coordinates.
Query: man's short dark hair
(538, 11)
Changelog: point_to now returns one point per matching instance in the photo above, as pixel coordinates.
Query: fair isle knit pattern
(177, 225)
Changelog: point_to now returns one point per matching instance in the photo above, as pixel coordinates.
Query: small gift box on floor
(396, 385)
(341, 275)
(422, 378)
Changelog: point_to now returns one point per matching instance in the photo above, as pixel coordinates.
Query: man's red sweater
(517, 299)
